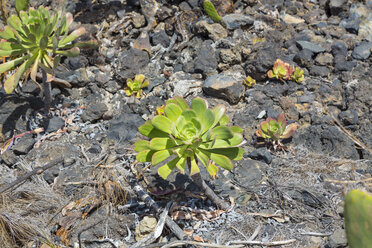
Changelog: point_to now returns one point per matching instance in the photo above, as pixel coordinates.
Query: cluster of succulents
(211, 11)
(191, 134)
(276, 130)
(134, 87)
(249, 82)
(358, 219)
(284, 71)
(34, 39)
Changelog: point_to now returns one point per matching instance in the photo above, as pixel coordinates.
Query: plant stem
(4, 11)
(46, 91)
(198, 180)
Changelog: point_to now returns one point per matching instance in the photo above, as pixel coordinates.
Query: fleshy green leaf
(179, 101)
(73, 52)
(161, 143)
(188, 114)
(141, 145)
(222, 161)
(212, 169)
(145, 156)
(73, 36)
(10, 64)
(166, 169)
(234, 153)
(159, 156)
(150, 131)
(207, 120)
(222, 132)
(172, 111)
(162, 123)
(21, 5)
(194, 166)
(199, 105)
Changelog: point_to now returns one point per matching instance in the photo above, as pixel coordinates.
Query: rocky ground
(87, 198)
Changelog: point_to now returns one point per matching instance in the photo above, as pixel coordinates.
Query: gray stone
(229, 57)
(248, 173)
(235, 21)
(77, 78)
(161, 38)
(320, 71)
(24, 144)
(303, 58)
(261, 154)
(315, 48)
(54, 124)
(351, 24)
(339, 50)
(336, 7)
(324, 59)
(132, 62)
(206, 60)
(348, 117)
(214, 31)
(224, 87)
(124, 127)
(94, 112)
(112, 86)
(345, 65)
(338, 239)
(9, 158)
(362, 51)
(77, 62)
(146, 226)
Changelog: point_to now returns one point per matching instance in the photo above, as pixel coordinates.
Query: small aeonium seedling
(135, 87)
(275, 130)
(281, 70)
(191, 135)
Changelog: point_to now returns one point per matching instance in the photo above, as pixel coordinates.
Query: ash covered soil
(293, 197)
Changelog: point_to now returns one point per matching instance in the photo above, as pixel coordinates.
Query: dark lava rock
(132, 62)
(235, 21)
(348, 117)
(77, 78)
(24, 144)
(336, 7)
(161, 38)
(112, 86)
(261, 154)
(124, 127)
(206, 60)
(351, 24)
(31, 87)
(326, 139)
(248, 174)
(9, 157)
(95, 148)
(54, 124)
(337, 239)
(320, 71)
(259, 63)
(362, 51)
(339, 50)
(94, 112)
(303, 44)
(77, 62)
(303, 58)
(345, 65)
(224, 87)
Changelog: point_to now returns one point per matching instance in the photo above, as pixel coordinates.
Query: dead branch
(37, 170)
(263, 243)
(184, 242)
(150, 202)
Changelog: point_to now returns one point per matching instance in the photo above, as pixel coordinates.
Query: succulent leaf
(276, 129)
(358, 220)
(193, 134)
(211, 11)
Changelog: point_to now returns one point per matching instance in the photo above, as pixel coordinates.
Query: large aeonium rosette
(192, 134)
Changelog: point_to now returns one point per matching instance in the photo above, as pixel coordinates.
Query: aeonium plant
(37, 39)
(193, 136)
(276, 130)
(284, 71)
(134, 87)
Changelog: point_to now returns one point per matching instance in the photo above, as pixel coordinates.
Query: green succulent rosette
(37, 38)
(192, 134)
(276, 129)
